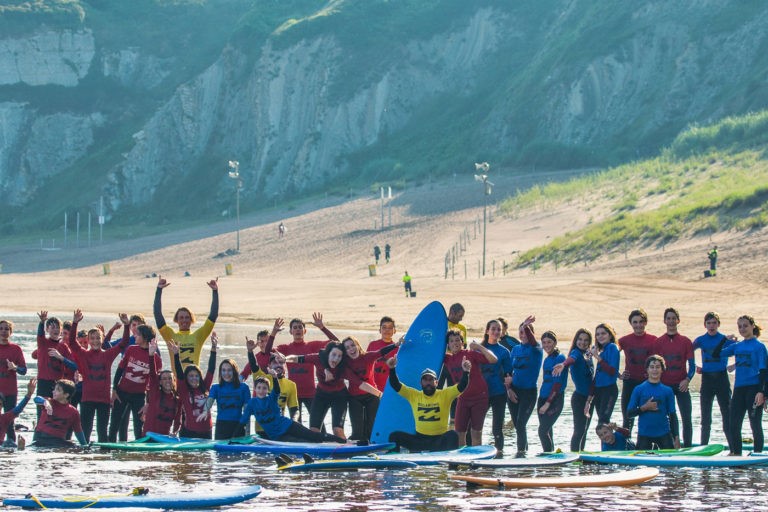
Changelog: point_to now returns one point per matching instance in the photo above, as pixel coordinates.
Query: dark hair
(455, 308)
(235, 373)
(672, 310)
(147, 332)
(712, 316)
(504, 323)
(176, 315)
(262, 333)
(327, 352)
(488, 326)
(756, 329)
(602, 426)
(259, 380)
(294, 321)
(173, 378)
(137, 317)
(576, 337)
(386, 319)
(194, 368)
(454, 332)
(656, 357)
(638, 312)
(67, 387)
(66, 325)
(360, 350)
(53, 321)
(610, 332)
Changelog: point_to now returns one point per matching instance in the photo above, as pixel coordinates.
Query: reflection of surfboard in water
(424, 347)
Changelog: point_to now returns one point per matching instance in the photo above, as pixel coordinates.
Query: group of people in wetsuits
(499, 373)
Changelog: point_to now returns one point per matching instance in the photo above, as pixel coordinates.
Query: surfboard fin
(308, 458)
(283, 460)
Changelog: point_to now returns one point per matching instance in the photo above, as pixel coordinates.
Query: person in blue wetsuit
(606, 354)
(230, 396)
(654, 405)
(714, 376)
(526, 364)
(495, 375)
(580, 362)
(265, 408)
(749, 386)
(552, 392)
(613, 437)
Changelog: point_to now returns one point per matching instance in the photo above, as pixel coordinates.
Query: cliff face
(281, 107)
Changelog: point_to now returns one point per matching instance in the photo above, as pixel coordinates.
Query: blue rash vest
(751, 357)
(707, 344)
(230, 400)
(267, 413)
(494, 373)
(548, 380)
(653, 423)
(526, 363)
(610, 355)
(582, 371)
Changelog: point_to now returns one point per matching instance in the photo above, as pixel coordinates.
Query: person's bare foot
(21, 443)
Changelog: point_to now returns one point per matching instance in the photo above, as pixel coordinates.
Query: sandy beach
(322, 264)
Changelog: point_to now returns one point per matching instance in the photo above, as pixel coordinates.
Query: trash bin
(107, 270)
(372, 270)
(413, 294)
(228, 269)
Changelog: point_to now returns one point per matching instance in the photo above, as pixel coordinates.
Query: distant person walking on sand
(281, 230)
(713, 260)
(376, 253)
(407, 283)
(387, 249)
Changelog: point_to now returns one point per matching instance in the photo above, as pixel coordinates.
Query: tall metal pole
(234, 173)
(485, 208)
(238, 215)
(484, 168)
(382, 208)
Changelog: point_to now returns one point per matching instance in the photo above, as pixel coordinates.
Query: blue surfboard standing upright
(424, 347)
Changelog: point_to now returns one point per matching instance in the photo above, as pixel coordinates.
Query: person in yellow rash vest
(431, 410)
(190, 343)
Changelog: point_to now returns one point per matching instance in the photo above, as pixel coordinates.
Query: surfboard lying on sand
(424, 347)
(619, 478)
(549, 460)
(465, 454)
(286, 463)
(677, 460)
(258, 445)
(178, 501)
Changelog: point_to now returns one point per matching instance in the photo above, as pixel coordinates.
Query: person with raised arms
(676, 350)
(129, 384)
(582, 368)
(714, 376)
(387, 331)
(194, 390)
(12, 363)
(637, 346)
(6, 418)
(58, 417)
(262, 349)
(190, 343)
(526, 365)
(431, 411)
(552, 392)
(162, 414)
(654, 404)
(605, 391)
(303, 373)
(749, 387)
(95, 366)
(53, 356)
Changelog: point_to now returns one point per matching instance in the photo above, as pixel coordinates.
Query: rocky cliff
(140, 126)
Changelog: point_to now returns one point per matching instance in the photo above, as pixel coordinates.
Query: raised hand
(162, 282)
(214, 341)
(124, 319)
(173, 348)
(250, 344)
(278, 326)
(317, 320)
(153, 347)
(466, 364)
(77, 317)
(31, 386)
(213, 284)
(43, 316)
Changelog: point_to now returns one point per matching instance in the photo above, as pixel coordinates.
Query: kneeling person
(431, 411)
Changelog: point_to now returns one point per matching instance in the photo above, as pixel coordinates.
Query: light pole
(487, 185)
(234, 173)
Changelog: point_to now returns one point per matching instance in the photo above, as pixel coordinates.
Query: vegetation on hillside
(711, 178)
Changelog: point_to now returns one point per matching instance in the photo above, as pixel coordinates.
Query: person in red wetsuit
(262, 349)
(363, 402)
(58, 417)
(6, 418)
(677, 350)
(129, 385)
(12, 363)
(303, 373)
(637, 346)
(387, 331)
(163, 412)
(472, 404)
(53, 356)
(95, 366)
(193, 390)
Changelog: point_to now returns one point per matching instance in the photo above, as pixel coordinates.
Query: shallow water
(95, 472)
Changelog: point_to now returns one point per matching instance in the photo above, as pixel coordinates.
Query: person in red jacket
(193, 390)
(58, 417)
(53, 357)
(6, 418)
(387, 330)
(12, 363)
(261, 348)
(95, 366)
(303, 373)
(129, 385)
(163, 412)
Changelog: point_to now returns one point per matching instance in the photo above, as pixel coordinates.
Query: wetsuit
(676, 351)
(193, 400)
(380, 368)
(751, 377)
(8, 383)
(52, 429)
(50, 369)
(96, 368)
(163, 413)
(654, 427)
(6, 421)
(363, 406)
(430, 414)
(130, 384)
(331, 394)
(621, 441)
(552, 392)
(636, 350)
(714, 383)
(190, 343)
(605, 390)
(230, 400)
(526, 364)
(472, 405)
(582, 371)
(494, 375)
